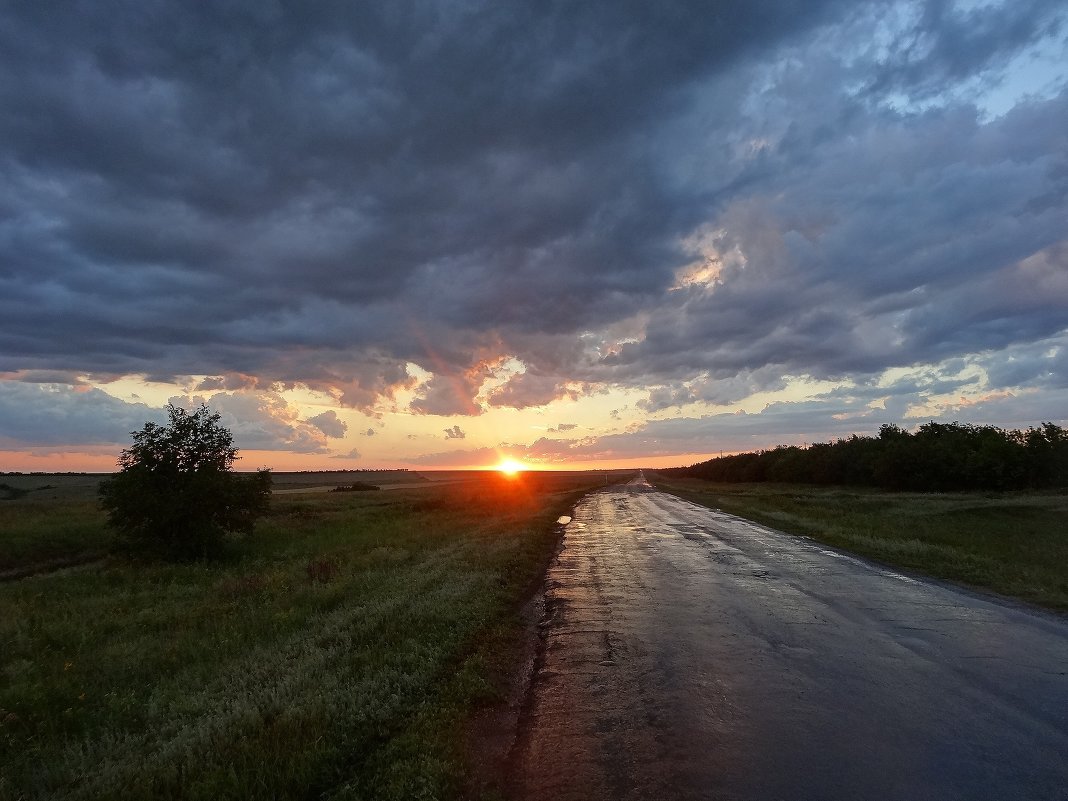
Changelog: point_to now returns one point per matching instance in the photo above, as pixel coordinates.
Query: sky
(594, 233)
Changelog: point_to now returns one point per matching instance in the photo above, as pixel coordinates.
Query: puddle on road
(563, 520)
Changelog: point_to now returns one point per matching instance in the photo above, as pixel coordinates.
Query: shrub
(356, 486)
(176, 494)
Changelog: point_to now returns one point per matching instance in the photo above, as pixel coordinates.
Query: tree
(176, 493)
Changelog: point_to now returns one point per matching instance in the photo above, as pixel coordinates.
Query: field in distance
(83, 486)
(323, 481)
(71, 486)
(338, 652)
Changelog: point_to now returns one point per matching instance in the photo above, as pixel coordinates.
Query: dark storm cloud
(707, 389)
(318, 195)
(853, 264)
(197, 187)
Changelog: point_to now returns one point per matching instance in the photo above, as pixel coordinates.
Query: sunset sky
(597, 233)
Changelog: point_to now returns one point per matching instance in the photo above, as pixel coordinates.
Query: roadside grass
(1012, 543)
(336, 654)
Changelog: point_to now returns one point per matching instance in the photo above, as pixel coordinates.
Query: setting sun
(510, 467)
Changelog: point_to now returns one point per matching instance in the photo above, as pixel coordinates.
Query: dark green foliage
(176, 493)
(356, 486)
(939, 457)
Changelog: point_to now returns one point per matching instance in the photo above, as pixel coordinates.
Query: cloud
(561, 427)
(786, 423)
(958, 236)
(719, 391)
(353, 454)
(454, 432)
(820, 419)
(689, 204)
(1040, 364)
(262, 421)
(54, 414)
(230, 382)
(53, 377)
(529, 389)
(453, 392)
(368, 433)
(330, 424)
(319, 200)
(474, 457)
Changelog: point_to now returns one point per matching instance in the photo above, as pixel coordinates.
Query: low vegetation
(335, 654)
(40, 533)
(938, 457)
(1013, 543)
(356, 486)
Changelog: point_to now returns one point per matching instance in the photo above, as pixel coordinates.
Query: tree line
(938, 457)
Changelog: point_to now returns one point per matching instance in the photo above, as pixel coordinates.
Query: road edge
(492, 732)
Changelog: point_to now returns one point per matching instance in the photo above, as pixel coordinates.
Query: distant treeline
(938, 457)
(350, 470)
(45, 473)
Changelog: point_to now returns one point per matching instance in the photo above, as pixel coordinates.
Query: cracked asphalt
(691, 654)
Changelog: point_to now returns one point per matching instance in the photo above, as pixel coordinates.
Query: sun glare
(510, 467)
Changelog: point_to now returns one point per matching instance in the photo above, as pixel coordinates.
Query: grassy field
(335, 654)
(1012, 543)
(83, 486)
(52, 520)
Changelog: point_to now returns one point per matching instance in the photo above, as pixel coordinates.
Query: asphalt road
(692, 654)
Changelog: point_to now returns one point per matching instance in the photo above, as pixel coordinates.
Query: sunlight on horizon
(511, 466)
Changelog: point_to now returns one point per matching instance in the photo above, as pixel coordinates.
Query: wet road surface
(692, 654)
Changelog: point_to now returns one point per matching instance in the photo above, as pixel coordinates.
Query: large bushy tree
(176, 493)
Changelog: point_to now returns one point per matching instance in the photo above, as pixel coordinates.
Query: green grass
(336, 654)
(1015, 544)
(37, 531)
